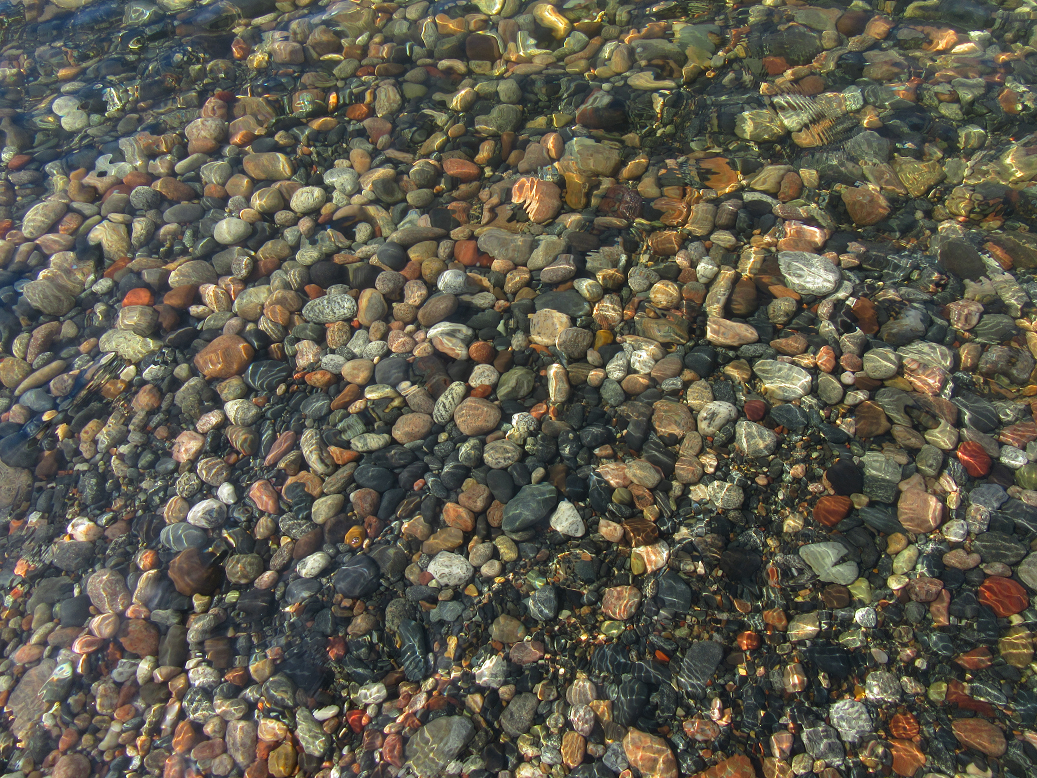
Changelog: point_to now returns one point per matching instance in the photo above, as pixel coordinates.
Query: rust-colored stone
(981, 735)
(831, 509)
(1004, 596)
(226, 356)
(903, 726)
(974, 459)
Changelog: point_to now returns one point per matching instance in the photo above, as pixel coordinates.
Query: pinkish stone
(919, 512)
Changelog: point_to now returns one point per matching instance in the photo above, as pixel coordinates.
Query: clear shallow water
(703, 157)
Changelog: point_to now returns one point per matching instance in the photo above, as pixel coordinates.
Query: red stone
(466, 252)
(1003, 596)
(981, 735)
(919, 511)
(461, 169)
(358, 112)
(392, 750)
(976, 659)
(620, 602)
(755, 410)
(650, 754)
(181, 297)
(775, 66)
(263, 495)
(956, 696)
(139, 637)
(974, 459)
(831, 509)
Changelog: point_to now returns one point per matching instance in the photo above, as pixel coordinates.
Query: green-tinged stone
(637, 564)
(861, 590)
(128, 345)
(490, 7)
(855, 638)
(536, 579)
(612, 629)
(1026, 476)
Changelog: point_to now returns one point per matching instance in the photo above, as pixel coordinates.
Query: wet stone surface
(517, 388)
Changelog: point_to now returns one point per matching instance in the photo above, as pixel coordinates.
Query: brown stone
(15, 486)
(919, 512)
(743, 301)
(139, 637)
(282, 760)
(26, 704)
(865, 206)
(195, 572)
(477, 498)
(671, 419)
(1016, 646)
(649, 754)
(791, 345)
(457, 516)
(268, 166)
(108, 592)
(871, 420)
(835, 596)
(73, 766)
(226, 356)
(475, 416)
(574, 747)
(721, 332)
(174, 190)
(981, 735)
(735, 767)
(181, 297)
(411, 427)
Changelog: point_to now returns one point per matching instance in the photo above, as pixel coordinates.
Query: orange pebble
(358, 112)
(139, 296)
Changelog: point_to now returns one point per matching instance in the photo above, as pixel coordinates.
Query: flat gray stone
(823, 559)
(782, 380)
(808, 273)
(852, 720)
(754, 440)
(438, 743)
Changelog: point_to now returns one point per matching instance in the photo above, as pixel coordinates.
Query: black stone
(265, 376)
(393, 255)
(357, 578)
(700, 662)
(845, 477)
(961, 259)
